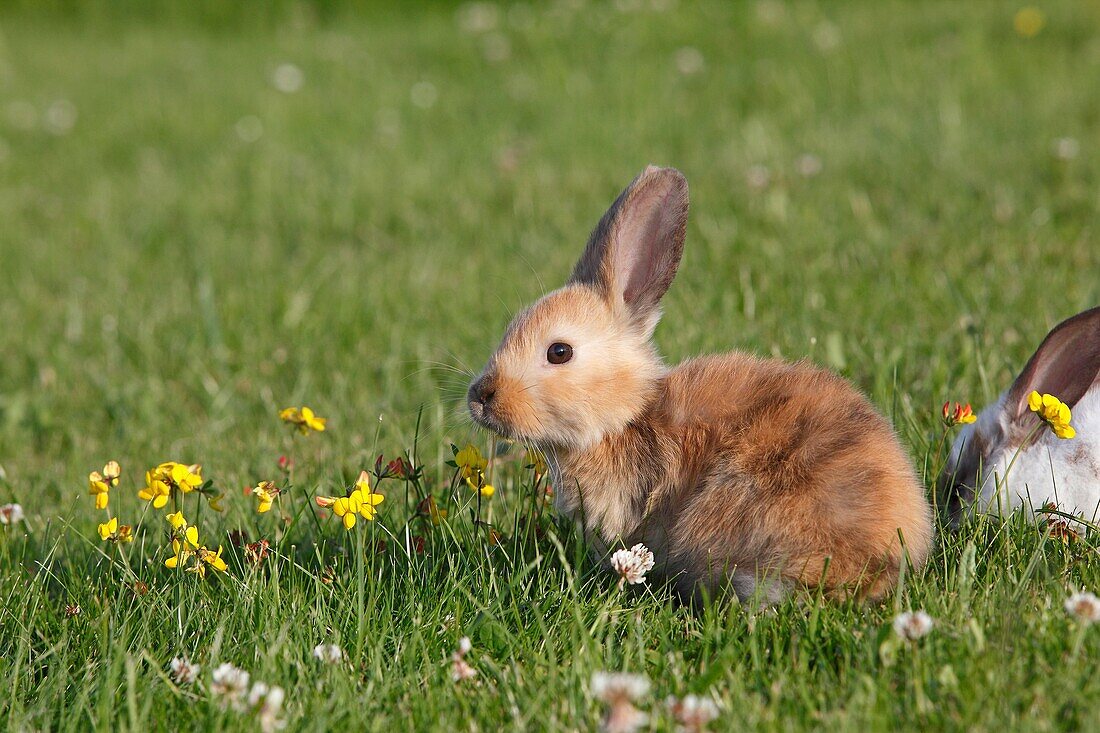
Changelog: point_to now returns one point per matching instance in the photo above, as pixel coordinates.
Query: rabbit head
(579, 363)
(1044, 468)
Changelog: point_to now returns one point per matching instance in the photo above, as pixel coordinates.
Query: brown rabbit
(732, 469)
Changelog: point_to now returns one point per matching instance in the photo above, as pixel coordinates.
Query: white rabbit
(1044, 469)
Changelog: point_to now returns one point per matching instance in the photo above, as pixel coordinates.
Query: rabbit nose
(482, 391)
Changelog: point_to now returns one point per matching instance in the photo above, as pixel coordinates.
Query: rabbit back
(806, 479)
(752, 469)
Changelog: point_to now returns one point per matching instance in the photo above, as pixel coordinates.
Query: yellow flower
(111, 472)
(183, 549)
(265, 492)
(1029, 21)
(111, 531)
(342, 508)
(163, 479)
(179, 555)
(1065, 432)
(311, 421)
(961, 415)
(303, 418)
(364, 499)
(361, 501)
(186, 478)
(176, 520)
(108, 528)
(213, 559)
(1054, 412)
(156, 491)
(99, 484)
(367, 503)
(470, 461)
(477, 483)
(472, 465)
(98, 488)
(191, 537)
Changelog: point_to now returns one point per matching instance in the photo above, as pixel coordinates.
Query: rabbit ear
(1066, 365)
(634, 251)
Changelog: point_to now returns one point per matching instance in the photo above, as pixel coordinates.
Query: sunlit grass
(342, 209)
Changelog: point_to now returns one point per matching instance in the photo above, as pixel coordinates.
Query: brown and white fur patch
(737, 472)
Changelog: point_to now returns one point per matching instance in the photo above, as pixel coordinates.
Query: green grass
(168, 286)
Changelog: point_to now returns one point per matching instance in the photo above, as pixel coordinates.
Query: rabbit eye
(559, 353)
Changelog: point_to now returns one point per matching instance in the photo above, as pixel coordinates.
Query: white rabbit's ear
(634, 251)
(1066, 365)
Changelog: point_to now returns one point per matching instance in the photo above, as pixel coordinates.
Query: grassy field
(206, 219)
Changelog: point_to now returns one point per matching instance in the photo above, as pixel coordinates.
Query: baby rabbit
(734, 470)
(1047, 469)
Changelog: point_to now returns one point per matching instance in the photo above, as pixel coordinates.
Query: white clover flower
(267, 703)
(264, 697)
(624, 719)
(693, 713)
(1066, 148)
(689, 61)
(496, 48)
(288, 78)
(257, 694)
(11, 513)
(912, 625)
(328, 653)
(615, 687)
(183, 672)
(633, 564)
(229, 682)
(826, 36)
(620, 691)
(477, 17)
(424, 94)
(460, 668)
(771, 12)
(809, 165)
(1084, 607)
(249, 128)
(60, 117)
(758, 177)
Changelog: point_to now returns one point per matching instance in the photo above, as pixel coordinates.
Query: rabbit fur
(738, 472)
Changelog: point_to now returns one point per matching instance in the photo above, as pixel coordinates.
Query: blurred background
(212, 210)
